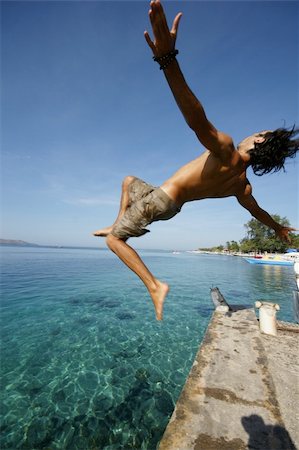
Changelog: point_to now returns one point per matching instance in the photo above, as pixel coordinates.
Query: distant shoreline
(19, 243)
(16, 242)
(24, 244)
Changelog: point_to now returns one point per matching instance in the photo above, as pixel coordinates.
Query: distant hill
(17, 242)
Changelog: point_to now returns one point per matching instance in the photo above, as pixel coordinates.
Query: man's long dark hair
(270, 155)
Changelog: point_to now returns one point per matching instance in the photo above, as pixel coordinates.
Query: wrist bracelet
(165, 60)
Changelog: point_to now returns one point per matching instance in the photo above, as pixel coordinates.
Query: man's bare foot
(103, 232)
(158, 297)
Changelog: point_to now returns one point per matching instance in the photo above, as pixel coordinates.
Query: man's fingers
(149, 41)
(175, 24)
(157, 7)
(159, 15)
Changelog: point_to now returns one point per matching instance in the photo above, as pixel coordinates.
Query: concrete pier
(242, 391)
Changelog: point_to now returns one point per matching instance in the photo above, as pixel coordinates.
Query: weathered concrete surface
(242, 391)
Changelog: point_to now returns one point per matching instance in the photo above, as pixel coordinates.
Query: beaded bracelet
(165, 60)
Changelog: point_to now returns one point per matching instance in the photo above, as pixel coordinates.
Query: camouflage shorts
(147, 204)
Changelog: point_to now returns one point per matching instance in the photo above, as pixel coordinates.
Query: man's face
(248, 143)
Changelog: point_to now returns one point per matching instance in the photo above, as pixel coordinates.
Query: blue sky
(84, 105)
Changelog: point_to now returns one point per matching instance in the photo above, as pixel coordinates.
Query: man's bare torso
(208, 177)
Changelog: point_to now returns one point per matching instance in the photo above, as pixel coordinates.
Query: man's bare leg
(124, 201)
(157, 289)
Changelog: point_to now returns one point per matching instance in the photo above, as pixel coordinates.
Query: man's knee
(128, 180)
(112, 241)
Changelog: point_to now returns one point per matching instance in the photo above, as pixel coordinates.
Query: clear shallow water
(84, 364)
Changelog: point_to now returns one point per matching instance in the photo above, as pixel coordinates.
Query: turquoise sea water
(85, 365)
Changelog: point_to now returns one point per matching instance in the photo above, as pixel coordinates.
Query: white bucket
(267, 316)
(296, 269)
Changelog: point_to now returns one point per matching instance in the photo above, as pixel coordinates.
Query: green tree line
(260, 238)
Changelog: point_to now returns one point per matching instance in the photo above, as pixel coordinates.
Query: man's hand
(164, 38)
(283, 233)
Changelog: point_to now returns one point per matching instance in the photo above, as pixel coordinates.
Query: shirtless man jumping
(220, 171)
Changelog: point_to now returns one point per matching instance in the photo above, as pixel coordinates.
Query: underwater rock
(156, 435)
(97, 300)
(58, 396)
(139, 393)
(118, 437)
(34, 384)
(77, 443)
(141, 348)
(101, 405)
(85, 320)
(91, 423)
(135, 442)
(57, 422)
(125, 316)
(8, 422)
(4, 410)
(123, 412)
(39, 432)
(164, 402)
(110, 304)
(126, 354)
(12, 440)
(34, 392)
(82, 406)
(79, 419)
(100, 439)
(74, 301)
(55, 331)
(64, 436)
(142, 374)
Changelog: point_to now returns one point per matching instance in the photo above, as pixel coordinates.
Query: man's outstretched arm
(248, 202)
(217, 142)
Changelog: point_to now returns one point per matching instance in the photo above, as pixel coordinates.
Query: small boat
(271, 260)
